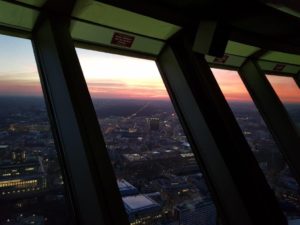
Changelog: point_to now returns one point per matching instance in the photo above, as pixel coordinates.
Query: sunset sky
(285, 87)
(231, 85)
(114, 76)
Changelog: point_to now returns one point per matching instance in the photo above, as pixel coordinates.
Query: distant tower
(153, 123)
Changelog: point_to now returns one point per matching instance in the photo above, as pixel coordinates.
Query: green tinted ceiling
(272, 61)
(37, 3)
(271, 67)
(17, 16)
(235, 54)
(235, 48)
(101, 35)
(122, 19)
(282, 57)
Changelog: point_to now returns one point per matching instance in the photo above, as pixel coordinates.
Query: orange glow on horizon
(231, 85)
(234, 90)
(20, 84)
(121, 77)
(286, 88)
(128, 92)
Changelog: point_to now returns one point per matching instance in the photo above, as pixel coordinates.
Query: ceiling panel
(12, 15)
(102, 35)
(239, 49)
(278, 67)
(282, 57)
(114, 17)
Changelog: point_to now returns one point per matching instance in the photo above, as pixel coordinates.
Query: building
(126, 188)
(199, 212)
(153, 124)
(30, 220)
(142, 209)
(294, 222)
(3, 150)
(21, 176)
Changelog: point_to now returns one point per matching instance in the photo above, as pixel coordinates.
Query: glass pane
(261, 142)
(31, 184)
(289, 93)
(158, 176)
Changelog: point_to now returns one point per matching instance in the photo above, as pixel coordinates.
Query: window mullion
(92, 180)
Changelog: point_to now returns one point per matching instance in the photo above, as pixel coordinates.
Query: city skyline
(115, 76)
(159, 178)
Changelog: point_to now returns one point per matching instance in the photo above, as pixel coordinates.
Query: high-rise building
(153, 123)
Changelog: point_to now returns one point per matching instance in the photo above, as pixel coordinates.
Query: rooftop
(294, 222)
(126, 188)
(139, 203)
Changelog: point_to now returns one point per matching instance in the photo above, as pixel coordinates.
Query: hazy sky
(114, 76)
(231, 85)
(285, 87)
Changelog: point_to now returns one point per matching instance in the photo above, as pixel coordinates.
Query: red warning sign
(222, 59)
(123, 40)
(279, 67)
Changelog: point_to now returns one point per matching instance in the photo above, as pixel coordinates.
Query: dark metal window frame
(273, 112)
(67, 116)
(93, 184)
(197, 96)
(271, 109)
(173, 93)
(180, 114)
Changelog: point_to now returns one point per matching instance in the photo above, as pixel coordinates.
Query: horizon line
(137, 99)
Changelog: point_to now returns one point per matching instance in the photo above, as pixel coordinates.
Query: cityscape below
(158, 176)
